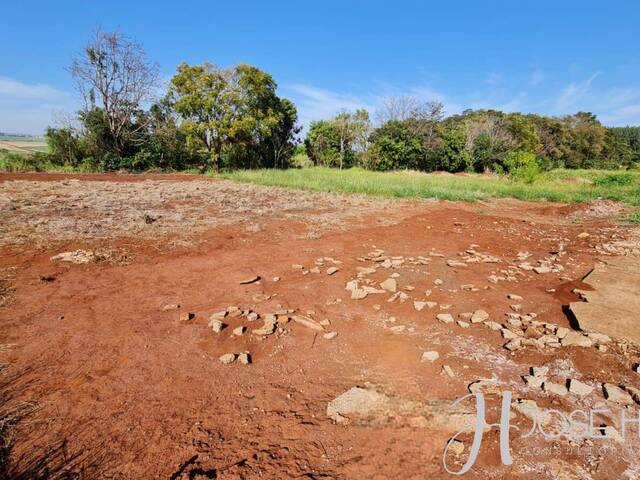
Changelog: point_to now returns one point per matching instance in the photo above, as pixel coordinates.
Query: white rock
(430, 356)
(578, 388)
(445, 317)
(616, 394)
(330, 335)
(390, 285)
(479, 316)
(239, 330)
(227, 358)
(554, 388)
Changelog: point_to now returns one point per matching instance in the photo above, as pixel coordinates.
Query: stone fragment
(447, 370)
(330, 335)
(332, 270)
(308, 322)
(616, 394)
(227, 358)
(216, 325)
(445, 317)
(239, 331)
(430, 356)
(513, 345)
(390, 285)
(244, 358)
(462, 324)
(248, 280)
(479, 316)
(456, 447)
(542, 269)
(578, 388)
(554, 388)
(513, 296)
(171, 306)
(574, 338)
(187, 316)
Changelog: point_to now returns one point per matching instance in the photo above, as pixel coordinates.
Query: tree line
(212, 117)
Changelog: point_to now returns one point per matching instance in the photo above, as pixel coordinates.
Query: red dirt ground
(127, 390)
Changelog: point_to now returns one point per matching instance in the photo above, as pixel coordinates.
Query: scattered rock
(542, 269)
(308, 322)
(187, 316)
(573, 338)
(583, 235)
(216, 325)
(390, 285)
(244, 358)
(479, 316)
(77, 257)
(330, 335)
(554, 388)
(513, 296)
(171, 306)
(332, 270)
(419, 305)
(462, 324)
(253, 279)
(616, 394)
(239, 331)
(456, 447)
(227, 358)
(448, 371)
(445, 317)
(578, 388)
(430, 356)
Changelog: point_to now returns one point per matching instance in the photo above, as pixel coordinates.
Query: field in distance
(22, 143)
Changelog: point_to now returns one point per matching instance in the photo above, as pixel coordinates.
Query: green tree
(395, 146)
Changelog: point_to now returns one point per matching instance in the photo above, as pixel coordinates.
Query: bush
(522, 166)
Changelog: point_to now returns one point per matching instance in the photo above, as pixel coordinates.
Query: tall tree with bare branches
(114, 75)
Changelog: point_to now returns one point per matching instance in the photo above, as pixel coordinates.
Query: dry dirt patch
(42, 211)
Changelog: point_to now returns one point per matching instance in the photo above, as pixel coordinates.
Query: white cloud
(315, 103)
(18, 90)
(574, 93)
(30, 108)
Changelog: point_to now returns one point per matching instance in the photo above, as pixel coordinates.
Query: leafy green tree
(452, 155)
(323, 144)
(522, 166)
(203, 96)
(396, 146)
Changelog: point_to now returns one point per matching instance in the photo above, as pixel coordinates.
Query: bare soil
(126, 389)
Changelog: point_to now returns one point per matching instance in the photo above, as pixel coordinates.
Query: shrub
(522, 166)
(614, 180)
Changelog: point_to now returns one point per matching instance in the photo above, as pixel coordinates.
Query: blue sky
(549, 57)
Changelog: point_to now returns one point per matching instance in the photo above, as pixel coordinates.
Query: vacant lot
(119, 347)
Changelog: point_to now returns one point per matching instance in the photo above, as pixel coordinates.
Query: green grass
(633, 218)
(571, 186)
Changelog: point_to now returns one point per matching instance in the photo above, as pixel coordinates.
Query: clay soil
(119, 388)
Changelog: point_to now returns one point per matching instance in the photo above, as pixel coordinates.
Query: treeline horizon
(232, 118)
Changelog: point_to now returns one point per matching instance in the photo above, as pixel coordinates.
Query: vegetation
(556, 185)
(232, 118)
